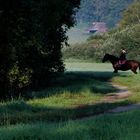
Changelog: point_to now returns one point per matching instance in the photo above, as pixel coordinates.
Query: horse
(128, 65)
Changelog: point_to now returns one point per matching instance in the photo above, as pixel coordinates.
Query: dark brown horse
(128, 65)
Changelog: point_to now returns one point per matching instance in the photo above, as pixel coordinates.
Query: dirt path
(122, 93)
(125, 108)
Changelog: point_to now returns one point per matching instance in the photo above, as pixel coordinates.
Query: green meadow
(61, 111)
(123, 126)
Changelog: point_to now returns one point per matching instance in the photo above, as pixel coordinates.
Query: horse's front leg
(115, 71)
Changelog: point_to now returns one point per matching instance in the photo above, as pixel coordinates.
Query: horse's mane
(113, 57)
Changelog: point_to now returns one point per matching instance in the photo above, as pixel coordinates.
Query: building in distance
(97, 27)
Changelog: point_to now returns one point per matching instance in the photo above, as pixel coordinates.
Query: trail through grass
(132, 82)
(73, 95)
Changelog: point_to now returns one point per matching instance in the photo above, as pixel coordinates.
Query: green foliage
(19, 79)
(127, 38)
(96, 37)
(78, 51)
(123, 126)
(85, 51)
(31, 38)
(108, 11)
(131, 16)
(110, 42)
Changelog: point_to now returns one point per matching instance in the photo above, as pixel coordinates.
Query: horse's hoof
(115, 71)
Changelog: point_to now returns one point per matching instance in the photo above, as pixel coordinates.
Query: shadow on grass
(20, 112)
(72, 82)
(76, 82)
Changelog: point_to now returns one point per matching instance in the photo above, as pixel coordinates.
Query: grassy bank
(76, 94)
(123, 126)
(132, 82)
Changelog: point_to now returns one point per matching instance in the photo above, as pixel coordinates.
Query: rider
(122, 58)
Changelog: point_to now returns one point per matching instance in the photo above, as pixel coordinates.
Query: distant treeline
(108, 11)
(127, 36)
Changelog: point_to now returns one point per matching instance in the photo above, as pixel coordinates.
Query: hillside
(108, 11)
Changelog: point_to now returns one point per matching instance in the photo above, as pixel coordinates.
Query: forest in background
(127, 36)
(108, 11)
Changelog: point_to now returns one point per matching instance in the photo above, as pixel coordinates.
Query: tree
(32, 34)
(131, 15)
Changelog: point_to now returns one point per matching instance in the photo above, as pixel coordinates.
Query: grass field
(45, 114)
(93, 67)
(123, 126)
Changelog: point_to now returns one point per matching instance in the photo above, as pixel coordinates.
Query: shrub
(19, 79)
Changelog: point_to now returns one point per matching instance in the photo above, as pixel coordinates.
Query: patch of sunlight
(66, 100)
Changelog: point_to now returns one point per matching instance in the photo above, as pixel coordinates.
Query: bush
(18, 79)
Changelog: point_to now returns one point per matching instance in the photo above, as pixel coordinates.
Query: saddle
(120, 63)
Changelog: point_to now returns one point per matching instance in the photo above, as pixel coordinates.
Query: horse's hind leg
(134, 70)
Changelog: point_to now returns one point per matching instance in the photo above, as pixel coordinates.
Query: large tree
(32, 34)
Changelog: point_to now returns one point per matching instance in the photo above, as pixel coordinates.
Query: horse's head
(105, 58)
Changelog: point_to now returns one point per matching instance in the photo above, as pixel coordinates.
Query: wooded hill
(127, 36)
(108, 11)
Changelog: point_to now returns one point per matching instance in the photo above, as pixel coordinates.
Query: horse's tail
(139, 67)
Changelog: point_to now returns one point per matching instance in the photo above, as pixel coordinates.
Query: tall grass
(123, 126)
(73, 95)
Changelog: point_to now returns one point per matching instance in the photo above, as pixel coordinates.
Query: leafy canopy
(32, 34)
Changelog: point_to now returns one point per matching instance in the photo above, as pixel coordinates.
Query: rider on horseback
(125, 64)
(122, 58)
